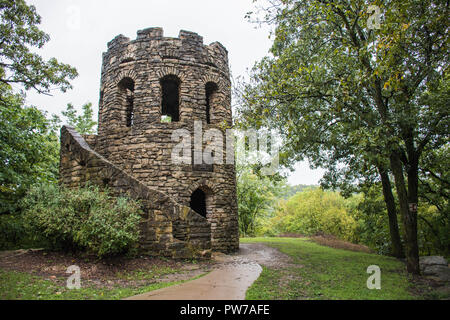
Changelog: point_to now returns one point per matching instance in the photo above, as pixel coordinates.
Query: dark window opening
(170, 105)
(211, 89)
(126, 87)
(130, 111)
(198, 202)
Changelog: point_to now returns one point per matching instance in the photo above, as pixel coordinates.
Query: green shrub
(11, 231)
(13, 234)
(82, 219)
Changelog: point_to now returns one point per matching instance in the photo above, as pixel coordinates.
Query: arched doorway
(201, 201)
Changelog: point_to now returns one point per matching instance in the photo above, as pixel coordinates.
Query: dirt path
(229, 280)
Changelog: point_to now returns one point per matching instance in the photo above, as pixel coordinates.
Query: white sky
(80, 30)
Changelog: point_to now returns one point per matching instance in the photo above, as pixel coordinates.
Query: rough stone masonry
(150, 87)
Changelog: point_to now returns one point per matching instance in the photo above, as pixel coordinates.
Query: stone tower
(150, 87)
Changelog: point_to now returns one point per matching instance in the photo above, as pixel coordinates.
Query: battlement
(150, 34)
(150, 42)
(156, 33)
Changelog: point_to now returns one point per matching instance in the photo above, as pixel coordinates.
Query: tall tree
(29, 149)
(29, 146)
(344, 90)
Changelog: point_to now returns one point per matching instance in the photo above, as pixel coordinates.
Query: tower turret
(152, 86)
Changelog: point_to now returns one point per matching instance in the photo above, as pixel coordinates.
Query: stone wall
(167, 228)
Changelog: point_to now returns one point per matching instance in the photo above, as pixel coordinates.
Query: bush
(11, 231)
(14, 235)
(82, 219)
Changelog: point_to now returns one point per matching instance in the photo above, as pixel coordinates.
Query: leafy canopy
(256, 197)
(19, 34)
(341, 93)
(83, 123)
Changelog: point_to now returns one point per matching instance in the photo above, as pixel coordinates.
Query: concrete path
(229, 281)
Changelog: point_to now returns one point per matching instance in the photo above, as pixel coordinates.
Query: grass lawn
(319, 272)
(23, 286)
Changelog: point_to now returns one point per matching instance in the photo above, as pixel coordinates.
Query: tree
(18, 64)
(255, 194)
(345, 94)
(29, 149)
(314, 211)
(82, 123)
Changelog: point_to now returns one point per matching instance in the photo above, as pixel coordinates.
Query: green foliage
(11, 231)
(352, 99)
(256, 196)
(361, 218)
(85, 218)
(14, 235)
(372, 219)
(434, 231)
(345, 96)
(29, 149)
(434, 211)
(83, 123)
(315, 211)
(373, 226)
(19, 39)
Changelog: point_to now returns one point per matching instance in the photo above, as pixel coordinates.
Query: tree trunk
(397, 248)
(409, 217)
(413, 199)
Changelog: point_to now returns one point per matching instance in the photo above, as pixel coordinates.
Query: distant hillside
(292, 190)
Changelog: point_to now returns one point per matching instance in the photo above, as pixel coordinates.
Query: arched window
(170, 104)
(126, 91)
(210, 89)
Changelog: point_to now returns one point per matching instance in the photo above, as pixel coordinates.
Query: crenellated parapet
(149, 59)
(151, 45)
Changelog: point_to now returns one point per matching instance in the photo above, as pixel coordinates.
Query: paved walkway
(230, 281)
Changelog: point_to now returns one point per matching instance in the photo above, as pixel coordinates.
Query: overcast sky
(80, 29)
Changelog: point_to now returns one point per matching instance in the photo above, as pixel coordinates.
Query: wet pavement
(230, 280)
